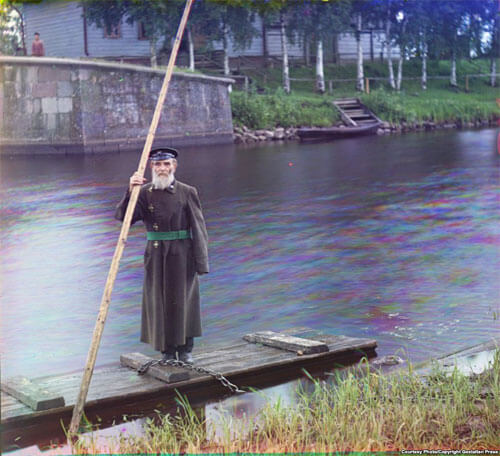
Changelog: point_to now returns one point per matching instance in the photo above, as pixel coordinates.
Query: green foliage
(10, 28)
(281, 110)
(104, 14)
(231, 16)
(318, 19)
(389, 106)
(437, 104)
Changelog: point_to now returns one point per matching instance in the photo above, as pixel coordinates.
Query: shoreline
(245, 135)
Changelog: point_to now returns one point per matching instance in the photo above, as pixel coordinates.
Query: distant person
(37, 49)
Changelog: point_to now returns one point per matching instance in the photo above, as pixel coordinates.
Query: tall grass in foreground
(374, 412)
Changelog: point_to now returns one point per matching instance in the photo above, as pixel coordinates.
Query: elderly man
(176, 253)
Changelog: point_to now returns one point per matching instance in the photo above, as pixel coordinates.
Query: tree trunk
(191, 49)
(494, 51)
(402, 51)
(424, 65)
(225, 40)
(493, 71)
(307, 51)
(335, 48)
(320, 75)
(284, 49)
(152, 51)
(388, 48)
(264, 42)
(400, 70)
(360, 83)
(453, 75)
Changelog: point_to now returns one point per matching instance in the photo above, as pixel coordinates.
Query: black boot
(185, 351)
(168, 354)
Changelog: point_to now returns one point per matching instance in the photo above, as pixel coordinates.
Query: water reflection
(392, 238)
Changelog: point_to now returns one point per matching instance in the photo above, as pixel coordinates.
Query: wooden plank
(345, 118)
(347, 101)
(32, 395)
(355, 112)
(118, 383)
(290, 343)
(168, 374)
(350, 112)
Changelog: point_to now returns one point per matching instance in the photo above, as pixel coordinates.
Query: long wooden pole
(106, 297)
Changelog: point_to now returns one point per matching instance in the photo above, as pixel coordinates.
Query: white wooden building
(66, 33)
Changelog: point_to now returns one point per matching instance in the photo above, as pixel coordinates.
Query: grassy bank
(374, 412)
(439, 103)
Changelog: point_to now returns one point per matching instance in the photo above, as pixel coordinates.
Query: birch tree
(494, 51)
(361, 11)
(320, 21)
(450, 24)
(402, 42)
(152, 15)
(229, 21)
(360, 77)
(490, 16)
(284, 50)
(270, 10)
(388, 43)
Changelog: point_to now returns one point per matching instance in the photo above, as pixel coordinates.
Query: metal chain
(202, 370)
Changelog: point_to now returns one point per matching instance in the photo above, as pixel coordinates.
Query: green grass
(304, 107)
(280, 110)
(438, 104)
(373, 412)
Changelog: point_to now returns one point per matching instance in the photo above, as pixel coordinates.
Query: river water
(393, 238)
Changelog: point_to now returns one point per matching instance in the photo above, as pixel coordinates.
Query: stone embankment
(54, 105)
(405, 127)
(244, 135)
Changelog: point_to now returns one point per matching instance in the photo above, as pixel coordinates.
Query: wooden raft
(246, 364)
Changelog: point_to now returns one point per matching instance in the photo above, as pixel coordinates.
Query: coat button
(151, 208)
(156, 244)
(155, 226)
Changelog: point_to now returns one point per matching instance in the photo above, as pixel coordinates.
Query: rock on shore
(244, 135)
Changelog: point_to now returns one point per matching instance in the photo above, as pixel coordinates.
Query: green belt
(168, 235)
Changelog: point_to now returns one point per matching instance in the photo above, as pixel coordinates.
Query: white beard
(162, 182)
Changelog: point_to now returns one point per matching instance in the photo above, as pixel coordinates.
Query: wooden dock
(118, 390)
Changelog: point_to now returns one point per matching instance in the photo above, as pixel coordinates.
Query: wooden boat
(358, 120)
(326, 133)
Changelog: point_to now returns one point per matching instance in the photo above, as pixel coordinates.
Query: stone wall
(73, 106)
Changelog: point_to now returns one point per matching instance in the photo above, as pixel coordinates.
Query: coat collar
(172, 188)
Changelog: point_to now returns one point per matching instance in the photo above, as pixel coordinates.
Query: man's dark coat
(171, 295)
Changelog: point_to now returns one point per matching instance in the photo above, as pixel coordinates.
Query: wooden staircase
(354, 113)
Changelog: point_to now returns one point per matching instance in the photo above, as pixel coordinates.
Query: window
(141, 31)
(113, 31)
